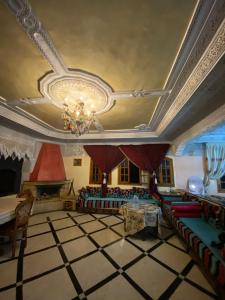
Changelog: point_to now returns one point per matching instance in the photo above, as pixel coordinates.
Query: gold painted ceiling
(130, 45)
(123, 42)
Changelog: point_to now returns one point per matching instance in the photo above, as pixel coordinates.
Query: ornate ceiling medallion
(75, 87)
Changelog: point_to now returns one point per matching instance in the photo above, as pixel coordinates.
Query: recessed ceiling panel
(21, 62)
(128, 113)
(130, 44)
(47, 113)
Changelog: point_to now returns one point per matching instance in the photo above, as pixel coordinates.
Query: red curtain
(106, 157)
(147, 158)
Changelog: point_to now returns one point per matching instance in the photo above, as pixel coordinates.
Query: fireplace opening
(48, 191)
(10, 175)
(8, 180)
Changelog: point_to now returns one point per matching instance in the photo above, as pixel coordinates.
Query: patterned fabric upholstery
(198, 235)
(90, 197)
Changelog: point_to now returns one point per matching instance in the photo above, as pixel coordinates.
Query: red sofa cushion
(187, 208)
(183, 214)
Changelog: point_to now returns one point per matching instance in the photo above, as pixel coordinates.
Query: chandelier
(76, 119)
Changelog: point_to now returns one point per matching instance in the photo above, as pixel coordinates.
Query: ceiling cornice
(202, 29)
(208, 61)
(51, 133)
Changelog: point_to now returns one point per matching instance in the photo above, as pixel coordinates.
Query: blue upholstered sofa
(90, 199)
(199, 223)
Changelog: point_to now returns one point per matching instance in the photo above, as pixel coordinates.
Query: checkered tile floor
(89, 256)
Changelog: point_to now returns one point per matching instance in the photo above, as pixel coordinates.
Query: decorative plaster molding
(34, 29)
(63, 77)
(211, 56)
(76, 85)
(203, 25)
(74, 150)
(218, 116)
(28, 101)
(209, 14)
(52, 133)
(139, 93)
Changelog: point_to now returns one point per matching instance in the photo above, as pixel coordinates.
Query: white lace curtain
(8, 148)
(214, 161)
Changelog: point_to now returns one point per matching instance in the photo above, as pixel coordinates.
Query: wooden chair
(19, 224)
(25, 194)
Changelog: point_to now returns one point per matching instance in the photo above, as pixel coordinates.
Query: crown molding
(202, 29)
(51, 133)
(209, 59)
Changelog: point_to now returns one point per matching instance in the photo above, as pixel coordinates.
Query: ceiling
(158, 63)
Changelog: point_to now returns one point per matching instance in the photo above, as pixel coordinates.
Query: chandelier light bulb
(78, 120)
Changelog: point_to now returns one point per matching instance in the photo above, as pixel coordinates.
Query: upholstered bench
(198, 234)
(90, 199)
(189, 218)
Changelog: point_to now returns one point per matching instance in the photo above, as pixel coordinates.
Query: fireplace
(49, 195)
(10, 175)
(48, 191)
(48, 179)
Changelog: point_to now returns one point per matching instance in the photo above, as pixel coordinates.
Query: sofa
(199, 224)
(90, 199)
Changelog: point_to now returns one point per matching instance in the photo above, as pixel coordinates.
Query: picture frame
(77, 162)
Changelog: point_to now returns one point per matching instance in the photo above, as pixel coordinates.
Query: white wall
(186, 166)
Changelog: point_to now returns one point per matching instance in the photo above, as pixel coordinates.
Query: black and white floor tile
(89, 256)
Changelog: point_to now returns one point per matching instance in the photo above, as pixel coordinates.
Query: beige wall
(184, 167)
(81, 174)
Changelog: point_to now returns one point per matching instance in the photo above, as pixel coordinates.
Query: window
(165, 173)
(221, 184)
(128, 173)
(96, 175)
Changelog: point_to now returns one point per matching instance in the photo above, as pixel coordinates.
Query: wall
(81, 174)
(184, 167)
